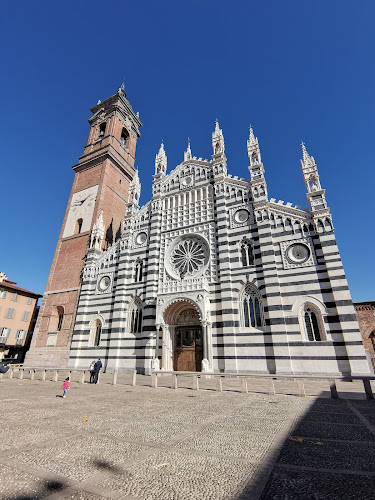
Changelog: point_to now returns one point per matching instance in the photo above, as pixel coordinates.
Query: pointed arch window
(98, 332)
(252, 307)
(247, 255)
(312, 326)
(136, 317)
(138, 270)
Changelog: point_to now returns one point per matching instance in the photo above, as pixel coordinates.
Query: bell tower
(100, 190)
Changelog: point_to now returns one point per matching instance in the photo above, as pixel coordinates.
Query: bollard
(55, 376)
(243, 384)
(11, 373)
(195, 383)
(368, 390)
(21, 374)
(1, 375)
(333, 389)
(271, 387)
(82, 378)
(98, 377)
(32, 375)
(114, 379)
(44, 373)
(134, 378)
(174, 381)
(154, 379)
(301, 388)
(219, 384)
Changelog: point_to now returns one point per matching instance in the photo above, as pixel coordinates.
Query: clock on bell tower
(101, 183)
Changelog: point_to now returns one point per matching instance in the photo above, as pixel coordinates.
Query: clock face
(83, 202)
(81, 207)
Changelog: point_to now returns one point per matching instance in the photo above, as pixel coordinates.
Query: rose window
(241, 215)
(187, 256)
(298, 253)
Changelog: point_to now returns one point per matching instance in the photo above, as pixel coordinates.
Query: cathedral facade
(210, 275)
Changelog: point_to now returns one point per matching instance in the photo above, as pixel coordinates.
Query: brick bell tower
(101, 183)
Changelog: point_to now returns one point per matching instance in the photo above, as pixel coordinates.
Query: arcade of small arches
(294, 225)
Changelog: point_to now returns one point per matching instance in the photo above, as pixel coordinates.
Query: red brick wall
(112, 197)
(366, 319)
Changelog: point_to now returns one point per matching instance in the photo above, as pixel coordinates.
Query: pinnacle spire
(97, 233)
(252, 139)
(218, 144)
(253, 149)
(305, 154)
(161, 160)
(187, 154)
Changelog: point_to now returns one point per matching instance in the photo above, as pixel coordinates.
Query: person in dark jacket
(3, 369)
(97, 367)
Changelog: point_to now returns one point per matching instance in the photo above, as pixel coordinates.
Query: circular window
(104, 283)
(187, 257)
(241, 215)
(141, 238)
(298, 253)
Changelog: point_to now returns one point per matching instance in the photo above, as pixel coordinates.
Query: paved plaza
(117, 441)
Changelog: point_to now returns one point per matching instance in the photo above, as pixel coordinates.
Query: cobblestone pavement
(111, 442)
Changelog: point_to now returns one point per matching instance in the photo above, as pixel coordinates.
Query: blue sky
(296, 70)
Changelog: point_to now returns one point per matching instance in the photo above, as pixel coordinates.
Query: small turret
(256, 169)
(161, 161)
(218, 141)
(187, 154)
(97, 233)
(315, 193)
(253, 149)
(219, 160)
(134, 190)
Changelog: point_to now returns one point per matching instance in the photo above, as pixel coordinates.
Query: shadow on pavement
(47, 488)
(328, 454)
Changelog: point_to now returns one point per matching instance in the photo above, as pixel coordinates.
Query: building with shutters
(211, 274)
(18, 312)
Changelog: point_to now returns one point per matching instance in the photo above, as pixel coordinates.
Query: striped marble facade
(285, 308)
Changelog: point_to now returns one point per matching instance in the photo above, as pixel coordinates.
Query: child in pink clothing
(65, 386)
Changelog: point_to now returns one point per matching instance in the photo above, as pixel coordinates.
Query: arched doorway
(186, 335)
(188, 342)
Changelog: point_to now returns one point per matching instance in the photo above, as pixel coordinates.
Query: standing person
(97, 367)
(92, 372)
(65, 386)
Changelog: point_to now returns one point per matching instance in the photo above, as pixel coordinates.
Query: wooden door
(188, 353)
